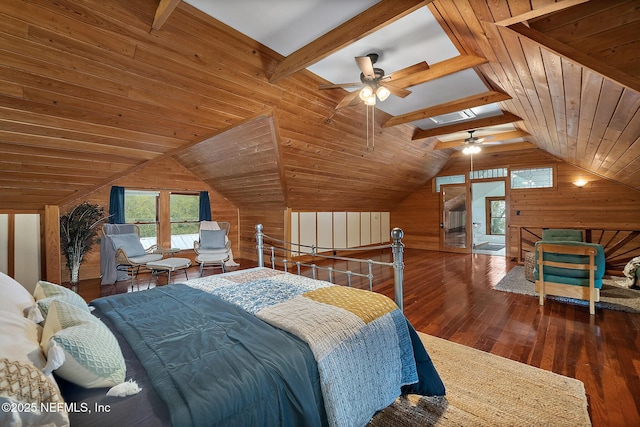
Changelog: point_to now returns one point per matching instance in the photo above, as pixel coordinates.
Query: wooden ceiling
(89, 92)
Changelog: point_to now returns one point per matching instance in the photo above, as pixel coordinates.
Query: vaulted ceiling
(91, 90)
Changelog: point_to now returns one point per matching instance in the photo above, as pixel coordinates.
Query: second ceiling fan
(374, 83)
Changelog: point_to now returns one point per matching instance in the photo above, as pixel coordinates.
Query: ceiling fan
(473, 143)
(375, 84)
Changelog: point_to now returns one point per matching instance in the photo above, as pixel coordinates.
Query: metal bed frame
(396, 246)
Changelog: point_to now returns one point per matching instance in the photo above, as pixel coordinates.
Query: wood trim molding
(52, 256)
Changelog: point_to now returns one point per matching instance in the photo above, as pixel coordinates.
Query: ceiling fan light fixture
(382, 93)
(366, 93)
(370, 100)
(471, 149)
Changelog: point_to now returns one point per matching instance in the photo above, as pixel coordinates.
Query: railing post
(260, 245)
(398, 266)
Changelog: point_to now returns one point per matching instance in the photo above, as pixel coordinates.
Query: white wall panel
(295, 235)
(340, 229)
(27, 250)
(375, 228)
(353, 229)
(385, 227)
(365, 228)
(325, 230)
(307, 230)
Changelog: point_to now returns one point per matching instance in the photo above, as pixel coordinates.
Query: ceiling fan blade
(397, 91)
(366, 66)
(441, 145)
(486, 138)
(405, 72)
(339, 85)
(348, 99)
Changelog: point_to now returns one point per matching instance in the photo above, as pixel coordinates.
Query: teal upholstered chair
(572, 268)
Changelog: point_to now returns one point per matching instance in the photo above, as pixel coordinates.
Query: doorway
(489, 217)
(454, 233)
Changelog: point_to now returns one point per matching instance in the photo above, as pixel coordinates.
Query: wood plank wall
(163, 175)
(600, 203)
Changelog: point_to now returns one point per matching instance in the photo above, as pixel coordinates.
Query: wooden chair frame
(543, 287)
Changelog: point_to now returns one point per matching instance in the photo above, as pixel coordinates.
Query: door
(489, 217)
(454, 232)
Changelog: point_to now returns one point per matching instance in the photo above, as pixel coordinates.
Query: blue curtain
(205, 206)
(116, 205)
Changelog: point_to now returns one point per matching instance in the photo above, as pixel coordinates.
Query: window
(452, 179)
(184, 213)
(488, 173)
(141, 208)
(496, 215)
(532, 178)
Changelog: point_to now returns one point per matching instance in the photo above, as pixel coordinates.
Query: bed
(251, 347)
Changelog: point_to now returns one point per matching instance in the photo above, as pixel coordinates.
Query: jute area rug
(488, 390)
(611, 297)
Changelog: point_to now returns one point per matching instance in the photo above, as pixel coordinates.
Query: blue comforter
(214, 364)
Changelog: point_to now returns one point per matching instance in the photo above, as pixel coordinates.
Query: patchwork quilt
(361, 341)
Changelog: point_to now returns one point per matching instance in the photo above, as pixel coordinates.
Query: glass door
(454, 232)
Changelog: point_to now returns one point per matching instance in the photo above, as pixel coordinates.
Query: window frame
(554, 177)
(155, 223)
(489, 217)
(171, 221)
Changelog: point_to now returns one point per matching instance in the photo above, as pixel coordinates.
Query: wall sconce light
(580, 183)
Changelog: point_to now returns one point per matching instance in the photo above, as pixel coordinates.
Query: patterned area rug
(488, 390)
(611, 297)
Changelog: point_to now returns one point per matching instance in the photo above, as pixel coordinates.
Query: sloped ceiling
(90, 91)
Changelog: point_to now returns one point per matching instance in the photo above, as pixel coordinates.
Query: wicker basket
(529, 262)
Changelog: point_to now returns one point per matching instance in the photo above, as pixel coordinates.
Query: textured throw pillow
(130, 243)
(13, 296)
(80, 348)
(212, 239)
(47, 292)
(23, 384)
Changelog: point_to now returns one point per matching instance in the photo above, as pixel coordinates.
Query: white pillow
(20, 339)
(13, 296)
(80, 348)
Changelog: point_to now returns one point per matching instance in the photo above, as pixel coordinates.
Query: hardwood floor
(450, 296)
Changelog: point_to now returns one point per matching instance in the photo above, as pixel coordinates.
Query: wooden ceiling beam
(576, 57)
(378, 16)
(504, 118)
(441, 69)
(536, 13)
(164, 10)
(504, 136)
(516, 146)
(448, 107)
